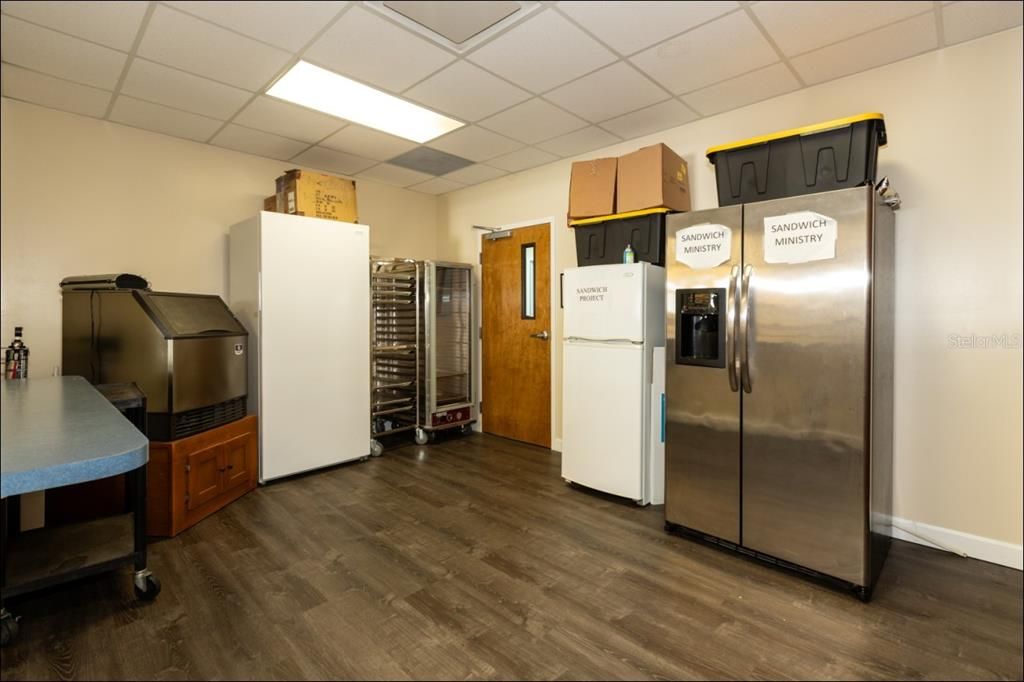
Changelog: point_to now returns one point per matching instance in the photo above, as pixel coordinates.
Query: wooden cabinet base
(193, 477)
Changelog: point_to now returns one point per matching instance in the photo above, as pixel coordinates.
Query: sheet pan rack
(394, 334)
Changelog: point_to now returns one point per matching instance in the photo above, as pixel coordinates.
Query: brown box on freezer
(270, 203)
(316, 195)
(592, 188)
(652, 177)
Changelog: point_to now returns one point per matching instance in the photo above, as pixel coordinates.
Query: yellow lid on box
(617, 216)
(806, 130)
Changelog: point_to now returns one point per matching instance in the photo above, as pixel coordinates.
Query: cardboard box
(592, 188)
(316, 195)
(652, 177)
(270, 203)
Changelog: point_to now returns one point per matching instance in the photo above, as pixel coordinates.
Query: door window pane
(529, 281)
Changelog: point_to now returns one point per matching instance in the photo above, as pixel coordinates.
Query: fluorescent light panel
(336, 95)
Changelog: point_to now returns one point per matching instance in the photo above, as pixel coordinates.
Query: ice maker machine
(187, 352)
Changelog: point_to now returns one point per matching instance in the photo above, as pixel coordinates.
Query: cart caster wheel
(8, 629)
(152, 588)
(466, 429)
(422, 437)
(376, 449)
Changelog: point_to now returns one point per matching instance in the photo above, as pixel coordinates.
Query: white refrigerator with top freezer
(301, 286)
(613, 380)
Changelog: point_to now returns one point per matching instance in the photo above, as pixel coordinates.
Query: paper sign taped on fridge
(704, 246)
(799, 237)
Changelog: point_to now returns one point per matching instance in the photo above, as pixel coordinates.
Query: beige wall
(954, 122)
(83, 196)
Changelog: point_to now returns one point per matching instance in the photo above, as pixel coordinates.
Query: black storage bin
(818, 158)
(602, 243)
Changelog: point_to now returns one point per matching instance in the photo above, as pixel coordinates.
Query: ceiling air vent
(433, 161)
(457, 25)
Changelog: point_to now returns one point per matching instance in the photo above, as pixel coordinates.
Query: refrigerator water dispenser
(700, 334)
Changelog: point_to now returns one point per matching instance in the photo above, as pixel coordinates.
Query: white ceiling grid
(561, 81)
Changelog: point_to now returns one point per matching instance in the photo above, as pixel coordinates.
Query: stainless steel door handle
(543, 336)
(745, 329)
(731, 306)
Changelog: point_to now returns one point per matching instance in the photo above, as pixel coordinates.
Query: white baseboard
(974, 546)
(556, 444)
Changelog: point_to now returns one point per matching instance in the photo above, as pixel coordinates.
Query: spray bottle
(16, 358)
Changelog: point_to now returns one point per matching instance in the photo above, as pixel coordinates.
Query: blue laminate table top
(60, 430)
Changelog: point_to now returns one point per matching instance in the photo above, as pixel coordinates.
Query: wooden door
(517, 334)
(239, 460)
(204, 479)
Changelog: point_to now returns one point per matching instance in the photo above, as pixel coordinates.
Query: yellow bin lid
(806, 130)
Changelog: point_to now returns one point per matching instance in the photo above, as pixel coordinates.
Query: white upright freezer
(302, 288)
(613, 380)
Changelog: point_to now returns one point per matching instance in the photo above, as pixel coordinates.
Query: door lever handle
(543, 336)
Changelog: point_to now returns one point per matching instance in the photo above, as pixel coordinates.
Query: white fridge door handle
(584, 339)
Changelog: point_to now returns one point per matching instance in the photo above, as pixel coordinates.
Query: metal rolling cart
(446, 373)
(60, 431)
(394, 347)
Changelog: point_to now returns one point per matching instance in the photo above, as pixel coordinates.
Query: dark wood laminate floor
(472, 559)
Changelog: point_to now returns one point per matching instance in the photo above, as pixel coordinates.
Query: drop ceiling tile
(967, 20)
(746, 89)
(628, 26)
(650, 120)
(475, 143)
(161, 119)
(48, 91)
(282, 118)
(543, 52)
(196, 46)
(288, 25)
(394, 175)
(798, 27)
(372, 144)
(533, 121)
(437, 186)
(430, 161)
(161, 84)
(334, 161)
(257, 142)
(892, 43)
(460, 24)
(373, 50)
(612, 91)
(523, 159)
(466, 91)
(579, 142)
(725, 48)
(475, 174)
(56, 54)
(114, 24)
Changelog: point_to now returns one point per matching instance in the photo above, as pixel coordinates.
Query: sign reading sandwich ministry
(799, 237)
(704, 246)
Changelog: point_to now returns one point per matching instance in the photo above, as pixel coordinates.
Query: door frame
(556, 319)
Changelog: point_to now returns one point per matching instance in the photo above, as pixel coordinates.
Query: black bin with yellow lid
(816, 158)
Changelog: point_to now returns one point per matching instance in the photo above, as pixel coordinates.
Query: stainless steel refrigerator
(780, 378)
